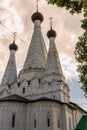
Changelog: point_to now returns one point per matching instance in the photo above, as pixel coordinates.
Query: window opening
(34, 123)
(13, 120)
(48, 122)
(58, 121)
(54, 96)
(69, 123)
(23, 90)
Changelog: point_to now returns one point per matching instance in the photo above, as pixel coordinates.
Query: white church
(38, 98)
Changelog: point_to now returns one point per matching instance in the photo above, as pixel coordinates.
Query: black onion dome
(37, 16)
(51, 33)
(13, 46)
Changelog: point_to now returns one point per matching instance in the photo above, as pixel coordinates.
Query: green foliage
(72, 5)
(83, 77)
(78, 6)
(81, 49)
(81, 57)
(84, 24)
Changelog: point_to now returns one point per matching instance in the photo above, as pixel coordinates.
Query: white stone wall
(37, 89)
(25, 114)
(67, 114)
(39, 111)
(6, 112)
(57, 113)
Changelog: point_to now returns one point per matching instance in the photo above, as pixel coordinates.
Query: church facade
(38, 98)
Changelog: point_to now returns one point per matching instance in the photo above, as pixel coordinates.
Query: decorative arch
(34, 121)
(58, 121)
(48, 118)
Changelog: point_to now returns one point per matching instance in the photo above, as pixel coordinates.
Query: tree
(81, 57)
(78, 6)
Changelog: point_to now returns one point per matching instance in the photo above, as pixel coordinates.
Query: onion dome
(13, 46)
(51, 33)
(37, 16)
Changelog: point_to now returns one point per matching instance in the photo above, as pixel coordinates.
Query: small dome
(13, 46)
(51, 33)
(37, 16)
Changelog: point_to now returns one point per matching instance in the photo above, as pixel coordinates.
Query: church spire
(53, 62)
(37, 53)
(10, 74)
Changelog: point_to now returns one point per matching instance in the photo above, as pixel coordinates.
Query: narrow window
(23, 90)
(54, 96)
(69, 123)
(48, 122)
(58, 121)
(28, 83)
(13, 120)
(34, 123)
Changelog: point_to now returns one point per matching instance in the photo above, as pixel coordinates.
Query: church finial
(37, 15)
(10, 75)
(13, 46)
(51, 32)
(14, 37)
(37, 5)
(51, 22)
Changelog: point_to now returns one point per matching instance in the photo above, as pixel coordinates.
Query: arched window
(23, 90)
(48, 122)
(13, 120)
(54, 96)
(35, 123)
(58, 123)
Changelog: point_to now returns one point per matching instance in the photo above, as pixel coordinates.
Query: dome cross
(37, 5)
(51, 22)
(14, 37)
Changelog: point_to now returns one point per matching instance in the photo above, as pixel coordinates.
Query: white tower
(53, 73)
(10, 75)
(35, 61)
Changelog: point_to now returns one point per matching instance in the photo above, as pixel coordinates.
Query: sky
(16, 16)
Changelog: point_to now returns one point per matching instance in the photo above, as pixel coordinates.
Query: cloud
(16, 15)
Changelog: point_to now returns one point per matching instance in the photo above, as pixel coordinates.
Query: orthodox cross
(14, 37)
(51, 22)
(37, 5)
